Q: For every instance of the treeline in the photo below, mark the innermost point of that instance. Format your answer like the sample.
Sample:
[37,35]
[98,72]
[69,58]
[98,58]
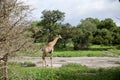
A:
[88,31]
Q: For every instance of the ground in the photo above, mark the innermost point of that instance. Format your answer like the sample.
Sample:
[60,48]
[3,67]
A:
[92,62]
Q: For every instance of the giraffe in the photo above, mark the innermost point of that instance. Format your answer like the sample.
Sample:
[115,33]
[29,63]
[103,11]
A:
[49,48]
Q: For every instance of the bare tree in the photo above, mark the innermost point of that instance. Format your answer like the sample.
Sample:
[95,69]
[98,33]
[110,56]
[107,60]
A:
[13,36]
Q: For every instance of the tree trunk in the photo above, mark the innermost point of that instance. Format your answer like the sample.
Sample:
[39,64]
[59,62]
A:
[4,67]
[5,72]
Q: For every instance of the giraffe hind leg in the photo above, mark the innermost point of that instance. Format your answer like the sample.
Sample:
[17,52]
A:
[44,61]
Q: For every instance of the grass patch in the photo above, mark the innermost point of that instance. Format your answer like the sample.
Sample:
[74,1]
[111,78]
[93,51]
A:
[117,62]
[94,50]
[115,51]
[28,64]
[62,60]
[78,53]
[70,53]
[101,46]
[70,71]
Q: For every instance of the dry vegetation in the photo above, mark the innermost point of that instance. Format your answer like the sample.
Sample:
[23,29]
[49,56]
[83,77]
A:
[13,35]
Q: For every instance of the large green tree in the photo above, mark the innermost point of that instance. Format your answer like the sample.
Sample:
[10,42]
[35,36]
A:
[107,33]
[50,20]
[83,33]
[108,23]
[89,24]
[103,36]
[81,38]
[116,36]
[66,33]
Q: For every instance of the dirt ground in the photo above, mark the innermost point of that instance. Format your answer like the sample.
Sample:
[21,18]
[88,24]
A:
[92,62]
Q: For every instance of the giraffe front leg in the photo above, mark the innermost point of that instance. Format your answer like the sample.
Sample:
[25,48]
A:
[51,60]
[44,62]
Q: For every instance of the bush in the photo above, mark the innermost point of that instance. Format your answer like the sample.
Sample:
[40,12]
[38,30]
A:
[69,71]
[28,64]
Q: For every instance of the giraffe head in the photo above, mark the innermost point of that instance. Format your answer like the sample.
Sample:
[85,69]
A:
[59,36]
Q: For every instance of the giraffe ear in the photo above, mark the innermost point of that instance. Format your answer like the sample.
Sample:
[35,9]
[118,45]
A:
[60,36]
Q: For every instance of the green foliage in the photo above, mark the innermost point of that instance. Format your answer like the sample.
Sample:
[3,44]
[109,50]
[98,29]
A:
[54,15]
[50,21]
[115,51]
[28,64]
[74,66]
[66,35]
[89,24]
[116,34]
[81,38]
[49,25]
[88,53]
[107,24]
[107,33]
[83,34]
[117,62]
[94,50]
[69,71]
[103,36]
[88,31]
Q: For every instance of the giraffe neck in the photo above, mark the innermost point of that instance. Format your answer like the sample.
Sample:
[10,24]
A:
[52,43]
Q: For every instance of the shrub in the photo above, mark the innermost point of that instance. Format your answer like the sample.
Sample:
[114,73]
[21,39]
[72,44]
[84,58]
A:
[28,64]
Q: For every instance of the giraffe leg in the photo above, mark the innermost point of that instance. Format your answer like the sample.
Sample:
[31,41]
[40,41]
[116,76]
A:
[51,60]
[44,62]
[51,57]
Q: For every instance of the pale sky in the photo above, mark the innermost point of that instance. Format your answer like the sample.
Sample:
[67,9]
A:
[75,10]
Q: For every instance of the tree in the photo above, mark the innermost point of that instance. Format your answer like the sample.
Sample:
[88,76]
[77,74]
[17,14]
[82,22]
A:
[89,24]
[116,34]
[83,33]
[103,36]
[50,20]
[81,38]
[107,33]
[36,31]
[13,35]
[107,24]
[66,33]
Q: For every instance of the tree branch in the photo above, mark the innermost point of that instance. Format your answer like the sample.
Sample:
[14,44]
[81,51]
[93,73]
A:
[4,58]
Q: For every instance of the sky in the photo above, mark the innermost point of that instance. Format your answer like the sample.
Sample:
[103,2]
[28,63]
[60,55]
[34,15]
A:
[75,10]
